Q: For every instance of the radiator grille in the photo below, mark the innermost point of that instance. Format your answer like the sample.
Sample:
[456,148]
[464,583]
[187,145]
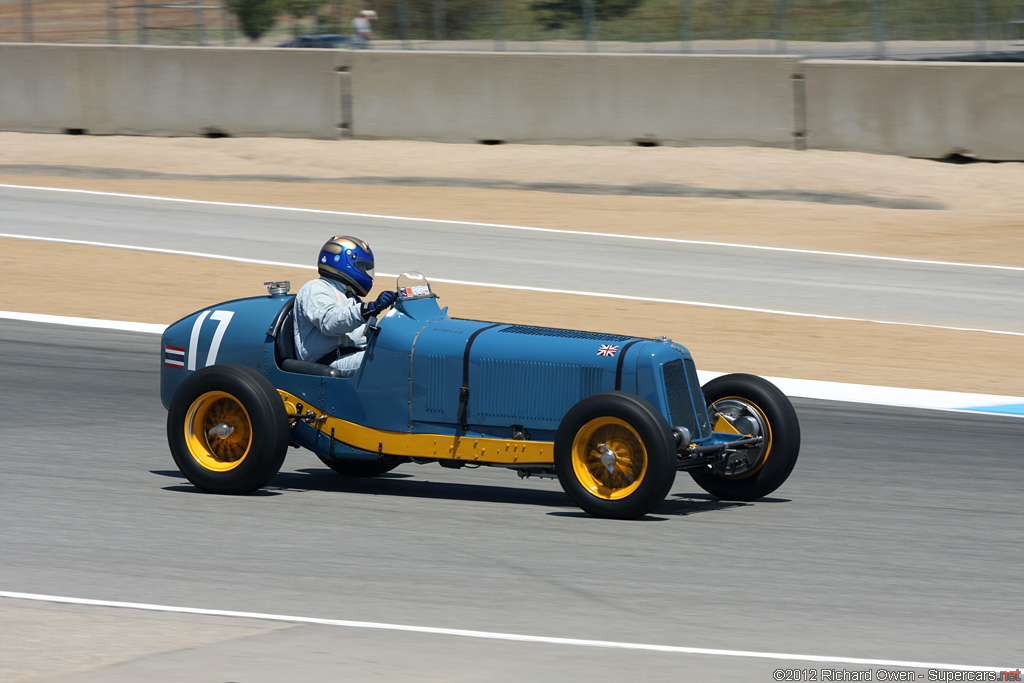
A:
[694,384]
[681,385]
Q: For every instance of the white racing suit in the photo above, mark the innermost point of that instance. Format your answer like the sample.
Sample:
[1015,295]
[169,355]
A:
[328,325]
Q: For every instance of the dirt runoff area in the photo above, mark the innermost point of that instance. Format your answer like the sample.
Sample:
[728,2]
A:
[832,201]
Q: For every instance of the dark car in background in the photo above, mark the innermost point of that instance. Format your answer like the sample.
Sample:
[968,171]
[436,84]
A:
[320,40]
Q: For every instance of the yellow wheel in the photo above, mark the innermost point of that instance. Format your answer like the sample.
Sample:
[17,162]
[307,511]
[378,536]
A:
[608,458]
[615,455]
[218,431]
[227,429]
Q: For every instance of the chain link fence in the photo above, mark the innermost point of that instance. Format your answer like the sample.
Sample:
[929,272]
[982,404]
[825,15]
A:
[111,21]
[874,29]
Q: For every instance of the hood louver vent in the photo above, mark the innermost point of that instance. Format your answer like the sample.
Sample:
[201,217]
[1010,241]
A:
[568,334]
[513,388]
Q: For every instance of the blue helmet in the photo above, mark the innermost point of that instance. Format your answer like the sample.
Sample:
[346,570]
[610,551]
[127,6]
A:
[347,260]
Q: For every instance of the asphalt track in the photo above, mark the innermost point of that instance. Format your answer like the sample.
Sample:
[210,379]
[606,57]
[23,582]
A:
[897,538]
[944,295]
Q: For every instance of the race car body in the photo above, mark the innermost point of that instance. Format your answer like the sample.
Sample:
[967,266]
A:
[613,417]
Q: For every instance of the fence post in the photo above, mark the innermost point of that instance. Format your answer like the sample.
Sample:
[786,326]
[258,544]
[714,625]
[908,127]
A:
[27,32]
[498,19]
[980,26]
[228,24]
[589,29]
[112,34]
[201,25]
[685,33]
[439,20]
[781,8]
[403,23]
[878,23]
[140,19]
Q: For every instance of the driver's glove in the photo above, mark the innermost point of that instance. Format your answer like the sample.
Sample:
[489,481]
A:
[369,309]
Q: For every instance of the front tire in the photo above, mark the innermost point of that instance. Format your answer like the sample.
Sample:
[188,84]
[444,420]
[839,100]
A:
[615,455]
[227,429]
[750,405]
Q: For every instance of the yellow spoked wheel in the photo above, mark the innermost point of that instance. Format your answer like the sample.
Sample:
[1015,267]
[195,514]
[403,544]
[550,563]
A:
[746,405]
[615,455]
[608,458]
[227,429]
[218,431]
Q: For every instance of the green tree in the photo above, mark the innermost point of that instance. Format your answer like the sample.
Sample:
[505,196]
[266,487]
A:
[432,19]
[256,17]
[300,9]
[331,17]
[557,13]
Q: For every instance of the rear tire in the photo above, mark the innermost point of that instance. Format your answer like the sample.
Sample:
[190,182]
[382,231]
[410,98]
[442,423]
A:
[755,406]
[227,429]
[615,455]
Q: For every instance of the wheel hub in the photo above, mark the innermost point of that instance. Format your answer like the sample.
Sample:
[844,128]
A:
[748,420]
[221,431]
[607,457]
[218,431]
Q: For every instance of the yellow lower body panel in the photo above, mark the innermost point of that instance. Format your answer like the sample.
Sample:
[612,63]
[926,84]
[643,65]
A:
[440,446]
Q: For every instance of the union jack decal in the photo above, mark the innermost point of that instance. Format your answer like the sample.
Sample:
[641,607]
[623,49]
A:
[174,356]
[607,350]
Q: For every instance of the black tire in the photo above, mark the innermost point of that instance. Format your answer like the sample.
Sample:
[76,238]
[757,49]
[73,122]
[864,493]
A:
[359,468]
[235,398]
[639,463]
[756,405]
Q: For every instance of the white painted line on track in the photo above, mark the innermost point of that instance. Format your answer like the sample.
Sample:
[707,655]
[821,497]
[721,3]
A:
[727,307]
[491,635]
[151,328]
[523,288]
[504,226]
[156,250]
[797,388]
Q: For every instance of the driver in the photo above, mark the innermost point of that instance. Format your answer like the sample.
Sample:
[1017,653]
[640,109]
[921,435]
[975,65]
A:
[330,316]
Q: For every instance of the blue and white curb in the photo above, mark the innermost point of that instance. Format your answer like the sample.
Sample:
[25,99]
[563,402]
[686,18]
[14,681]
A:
[893,396]
[795,388]
[1003,409]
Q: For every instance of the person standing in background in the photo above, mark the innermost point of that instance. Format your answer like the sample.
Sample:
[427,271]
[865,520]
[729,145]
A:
[362,29]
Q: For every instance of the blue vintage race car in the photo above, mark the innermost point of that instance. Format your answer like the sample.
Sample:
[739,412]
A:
[612,417]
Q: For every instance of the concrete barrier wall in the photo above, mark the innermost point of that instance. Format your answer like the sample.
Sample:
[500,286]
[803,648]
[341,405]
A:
[576,98]
[906,108]
[141,90]
[916,109]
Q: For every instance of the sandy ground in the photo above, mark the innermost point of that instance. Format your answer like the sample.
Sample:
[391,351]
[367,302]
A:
[983,222]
